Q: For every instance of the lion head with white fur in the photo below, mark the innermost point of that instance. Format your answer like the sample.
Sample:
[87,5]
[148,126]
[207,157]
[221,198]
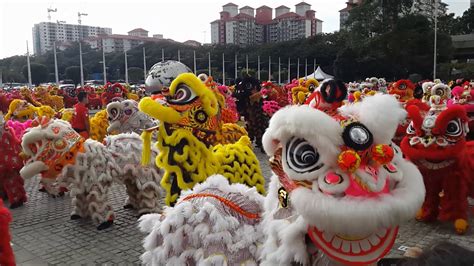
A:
[341,175]
[49,146]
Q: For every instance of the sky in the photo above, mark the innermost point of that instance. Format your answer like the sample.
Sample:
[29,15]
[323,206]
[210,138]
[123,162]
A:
[180,20]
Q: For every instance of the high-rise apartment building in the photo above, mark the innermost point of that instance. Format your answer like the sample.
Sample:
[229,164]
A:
[247,25]
[344,13]
[46,33]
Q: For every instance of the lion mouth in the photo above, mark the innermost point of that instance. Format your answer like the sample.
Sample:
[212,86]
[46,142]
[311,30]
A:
[354,249]
[433,165]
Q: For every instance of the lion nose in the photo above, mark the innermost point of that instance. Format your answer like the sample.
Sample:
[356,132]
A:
[427,140]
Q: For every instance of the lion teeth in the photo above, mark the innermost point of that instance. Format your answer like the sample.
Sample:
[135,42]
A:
[355,248]
[374,240]
[346,246]
[382,232]
[336,242]
[365,245]
[435,166]
[327,236]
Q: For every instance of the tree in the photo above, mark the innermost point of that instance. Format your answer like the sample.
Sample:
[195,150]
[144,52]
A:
[39,73]
[466,22]
[135,74]
[74,73]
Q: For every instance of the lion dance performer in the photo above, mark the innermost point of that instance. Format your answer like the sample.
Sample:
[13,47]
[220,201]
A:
[436,143]
[11,183]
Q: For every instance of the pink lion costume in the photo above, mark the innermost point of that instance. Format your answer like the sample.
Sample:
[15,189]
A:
[337,196]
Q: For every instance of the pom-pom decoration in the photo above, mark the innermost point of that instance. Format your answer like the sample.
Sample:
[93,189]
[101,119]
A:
[382,153]
[349,161]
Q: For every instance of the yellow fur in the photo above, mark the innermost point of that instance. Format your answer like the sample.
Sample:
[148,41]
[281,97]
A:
[27,111]
[133,96]
[48,98]
[146,153]
[184,157]
[98,126]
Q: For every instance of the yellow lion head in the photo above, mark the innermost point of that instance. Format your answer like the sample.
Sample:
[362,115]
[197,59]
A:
[189,104]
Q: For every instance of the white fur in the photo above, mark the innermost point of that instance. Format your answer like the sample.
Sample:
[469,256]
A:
[319,129]
[284,238]
[185,232]
[347,215]
[380,113]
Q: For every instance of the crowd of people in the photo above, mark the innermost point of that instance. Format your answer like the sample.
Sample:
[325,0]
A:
[351,162]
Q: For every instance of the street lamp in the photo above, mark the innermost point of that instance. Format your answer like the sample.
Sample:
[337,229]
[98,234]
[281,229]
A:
[56,75]
[126,67]
[79,14]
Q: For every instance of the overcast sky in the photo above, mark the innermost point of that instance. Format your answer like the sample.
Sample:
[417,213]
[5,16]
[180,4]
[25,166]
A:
[180,20]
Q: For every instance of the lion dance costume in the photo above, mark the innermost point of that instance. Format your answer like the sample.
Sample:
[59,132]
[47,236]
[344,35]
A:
[6,253]
[58,152]
[11,183]
[189,127]
[338,193]
[436,143]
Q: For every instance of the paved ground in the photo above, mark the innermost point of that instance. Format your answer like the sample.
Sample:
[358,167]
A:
[43,233]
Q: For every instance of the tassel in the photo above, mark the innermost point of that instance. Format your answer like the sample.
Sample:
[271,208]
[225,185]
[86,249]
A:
[146,152]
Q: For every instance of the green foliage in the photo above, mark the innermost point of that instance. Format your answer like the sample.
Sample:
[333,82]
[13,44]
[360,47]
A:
[74,73]
[39,73]
[135,74]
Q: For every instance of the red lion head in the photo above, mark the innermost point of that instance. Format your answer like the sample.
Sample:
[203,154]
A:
[436,137]
[403,90]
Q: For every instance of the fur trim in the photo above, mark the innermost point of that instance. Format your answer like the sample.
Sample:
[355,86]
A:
[319,129]
[284,237]
[202,230]
[347,215]
[380,113]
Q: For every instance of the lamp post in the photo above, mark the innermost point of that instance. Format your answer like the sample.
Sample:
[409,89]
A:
[258,67]
[194,61]
[103,63]
[269,68]
[29,65]
[144,65]
[126,66]
[289,69]
[279,71]
[56,74]
[79,15]
[235,67]
[209,57]
[305,68]
[298,69]
[223,69]
[247,63]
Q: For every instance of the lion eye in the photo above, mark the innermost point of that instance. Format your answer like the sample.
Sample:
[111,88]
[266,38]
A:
[183,95]
[301,156]
[454,128]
